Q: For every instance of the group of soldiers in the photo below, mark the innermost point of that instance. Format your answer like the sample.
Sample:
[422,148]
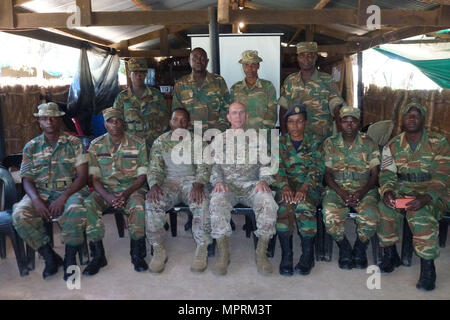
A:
[323,160]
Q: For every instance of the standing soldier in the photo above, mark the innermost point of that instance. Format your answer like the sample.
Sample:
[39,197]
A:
[171,182]
[143,108]
[414,164]
[54,175]
[257,95]
[118,168]
[243,183]
[299,182]
[313,88]
[352,164]
[204,95]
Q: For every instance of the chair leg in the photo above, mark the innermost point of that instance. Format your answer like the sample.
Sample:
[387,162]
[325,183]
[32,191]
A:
[375,248]
[212,248]
[271,248]
[443,232]
[188,224]
[319,244]
[31,258]
[173,222]
[49,229]
[407,245]
[233,226]
[248,226]
[120,222]
[19,251]
[83,252]
[2,246]
[328,245]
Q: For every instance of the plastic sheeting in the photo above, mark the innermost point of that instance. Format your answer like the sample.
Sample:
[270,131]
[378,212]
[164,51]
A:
[94,87]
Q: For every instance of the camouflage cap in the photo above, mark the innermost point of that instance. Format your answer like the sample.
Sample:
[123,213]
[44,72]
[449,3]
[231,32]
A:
[405,109]
[50,109]
[249,57]
[306,47]
[112,112]
[137,64]
[350,111]
[297,109]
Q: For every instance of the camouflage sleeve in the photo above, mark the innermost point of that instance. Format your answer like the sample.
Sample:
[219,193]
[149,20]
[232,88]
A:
[142,161]
[176,101]
[270,118]
[335,98]
[374,158]
[440,171]
[281,179]
[94,167]
[27,163]
[155,173]
[326,151]
[216,174]
[118,102]
[222,123]
[80,153]
[316,172]
[388,171]
[232,96]
[284,95]
[164,114]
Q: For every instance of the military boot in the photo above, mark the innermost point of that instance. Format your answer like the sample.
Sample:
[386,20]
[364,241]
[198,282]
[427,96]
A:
[287,261]
[201,259]
[159,258]
[345,254]
[263,264]
[136,255]
[306,262]
[52,260]
[70,259]
[98,261]
[359,254]
[223,256]
[427,280]
[391,260]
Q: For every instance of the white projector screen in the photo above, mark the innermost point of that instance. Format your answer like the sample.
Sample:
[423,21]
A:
[231,47]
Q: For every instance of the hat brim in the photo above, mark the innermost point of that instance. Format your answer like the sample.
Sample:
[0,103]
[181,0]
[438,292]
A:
[250,62]
[61,113]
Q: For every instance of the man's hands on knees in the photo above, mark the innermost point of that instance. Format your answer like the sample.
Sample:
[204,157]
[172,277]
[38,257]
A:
[41,207]
[262,186]
[197,194]
[155,194]
[220,187]
[56,208]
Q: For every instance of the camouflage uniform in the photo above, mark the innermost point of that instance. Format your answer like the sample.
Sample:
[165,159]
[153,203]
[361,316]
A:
[260,101]
[319,93]
[351,166]
[147,116]
[117,171]
[176,181]
[298,167]
[206,103]
[241,180]
[412,173]
[52,169]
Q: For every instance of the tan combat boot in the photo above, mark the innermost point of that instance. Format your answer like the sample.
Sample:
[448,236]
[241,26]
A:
[263,264]
[159,258]
[201,259]
[223,256]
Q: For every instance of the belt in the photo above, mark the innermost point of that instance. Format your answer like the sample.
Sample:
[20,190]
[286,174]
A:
[54,185]
[414,177]
[351,175]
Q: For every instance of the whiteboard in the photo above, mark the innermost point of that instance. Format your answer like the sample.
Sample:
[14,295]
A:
[231,47]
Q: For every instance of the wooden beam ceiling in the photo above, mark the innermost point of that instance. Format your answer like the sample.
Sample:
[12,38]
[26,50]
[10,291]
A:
[154,53]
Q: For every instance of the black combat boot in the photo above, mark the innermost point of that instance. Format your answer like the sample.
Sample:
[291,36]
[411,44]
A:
[287,261]
[70,259]
[427,280]
[98,261]
[345,254]
[136,255]
[52,260]
[359,254]
[391,260]
[306,261]
[143,248]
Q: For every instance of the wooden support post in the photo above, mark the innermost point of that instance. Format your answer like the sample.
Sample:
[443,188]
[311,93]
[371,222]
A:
[7,19]
[223,11]
[86,12]
[164,42]
[214,40]
[360,86]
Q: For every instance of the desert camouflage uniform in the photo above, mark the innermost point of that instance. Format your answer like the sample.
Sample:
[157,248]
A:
[117,171]
[241,180]
[52,170]
[412,173]
[176,181]
[296,168]
[351,167]
[207,102]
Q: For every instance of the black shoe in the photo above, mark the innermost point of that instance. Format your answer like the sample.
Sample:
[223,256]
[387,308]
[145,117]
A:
[359,254]
[287,263]
[136,255]
[391,259]
[427,280]
[345,254]
[70,259]
[52,260]
[306,262]
[98,261]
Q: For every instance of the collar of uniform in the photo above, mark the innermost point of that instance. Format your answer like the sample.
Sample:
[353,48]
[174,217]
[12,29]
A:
[208,78]
[147,92]
[358,140]
[422,142]
[123,143]
[258,84]
[314,76]
[61,139]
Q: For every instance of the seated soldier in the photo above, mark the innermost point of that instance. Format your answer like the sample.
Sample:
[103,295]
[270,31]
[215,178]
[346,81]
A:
[299,184]
[414,164]
[172,182]
[117,167]
[54,175]
[352,165]
[240,183]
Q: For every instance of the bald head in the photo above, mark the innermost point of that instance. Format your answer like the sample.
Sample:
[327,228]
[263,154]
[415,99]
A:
[237,115]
